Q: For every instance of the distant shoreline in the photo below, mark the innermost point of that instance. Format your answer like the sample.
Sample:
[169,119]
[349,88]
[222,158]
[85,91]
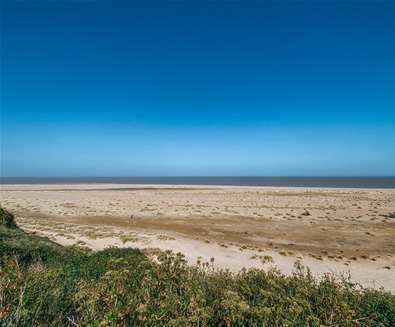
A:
[309,182]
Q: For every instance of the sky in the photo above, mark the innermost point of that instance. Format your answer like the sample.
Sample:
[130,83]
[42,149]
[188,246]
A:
[94,88]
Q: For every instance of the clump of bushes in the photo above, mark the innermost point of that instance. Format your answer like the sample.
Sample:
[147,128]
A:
[7,219]
[42,283]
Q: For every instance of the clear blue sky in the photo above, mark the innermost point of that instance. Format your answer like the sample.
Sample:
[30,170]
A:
[154,88]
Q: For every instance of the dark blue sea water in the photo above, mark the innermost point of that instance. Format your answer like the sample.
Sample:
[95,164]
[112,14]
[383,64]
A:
[337,182]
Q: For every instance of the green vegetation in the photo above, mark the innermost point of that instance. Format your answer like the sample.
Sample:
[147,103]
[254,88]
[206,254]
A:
[45,284]
[7,219]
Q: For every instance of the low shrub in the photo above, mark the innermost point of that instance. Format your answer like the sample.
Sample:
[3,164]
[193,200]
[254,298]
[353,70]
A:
[7,219]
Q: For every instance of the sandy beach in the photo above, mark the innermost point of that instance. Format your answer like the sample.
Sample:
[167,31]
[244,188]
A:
[328,230]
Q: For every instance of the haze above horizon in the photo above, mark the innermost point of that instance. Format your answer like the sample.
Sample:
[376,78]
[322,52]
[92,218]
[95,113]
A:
[196,89]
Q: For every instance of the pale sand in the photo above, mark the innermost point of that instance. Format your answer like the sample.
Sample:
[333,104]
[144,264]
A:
[345,230]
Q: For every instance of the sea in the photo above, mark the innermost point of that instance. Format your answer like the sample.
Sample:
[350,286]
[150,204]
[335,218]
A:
[332,182]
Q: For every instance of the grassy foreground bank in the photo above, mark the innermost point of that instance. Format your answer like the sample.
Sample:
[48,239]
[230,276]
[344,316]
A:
[45,284]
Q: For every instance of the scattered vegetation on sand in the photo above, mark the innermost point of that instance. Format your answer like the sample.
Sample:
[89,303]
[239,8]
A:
[165,238]
[128,238]
[45,284]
